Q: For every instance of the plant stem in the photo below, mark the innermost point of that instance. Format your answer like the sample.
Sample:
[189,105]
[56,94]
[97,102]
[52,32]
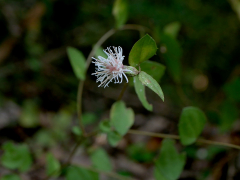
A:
[122,92]
[79,107]
[200,140]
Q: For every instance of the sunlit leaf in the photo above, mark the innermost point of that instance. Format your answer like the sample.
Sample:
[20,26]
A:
[140,90]
[16,156]
[100,160]
[191,124]
[170,163]
[142,50]
[74,173]
[172,29]
[53,166]
[121,118]
[154,69]
[148,81]
[172,53]
[120,12]
[77,61]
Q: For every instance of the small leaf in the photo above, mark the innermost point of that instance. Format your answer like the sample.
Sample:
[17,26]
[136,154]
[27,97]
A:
[148,81]
[172,29]
[113,138]
[74,173]
[121,118]
[76,130]
[191,124]
[105,126]
[228,115]
[77,61]
[16,156]
[154,69]
[170,163]
[158,175]
[53,166]
[172,53]
[120,12]
[11,177]
[142,50]
[140,90]
[232,89]
[101,160]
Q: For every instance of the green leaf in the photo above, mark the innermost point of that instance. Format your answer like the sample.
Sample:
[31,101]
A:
[113,138]
[170,163]
[76,130]
[191,124]
[29,115]
[99,52]
[142,50]
[77,61]
[148,81]
[10,177]
[100,160]
[121,118]
[228,115]
[53,166]
[158,175]
[120,12]
[172,29]
[154,69]
[75,173]
[16,156]
[88,118]
[232,89]
[105,126]
[172,53]
[140,90]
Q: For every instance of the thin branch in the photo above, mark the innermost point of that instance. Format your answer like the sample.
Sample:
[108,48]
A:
[200,140]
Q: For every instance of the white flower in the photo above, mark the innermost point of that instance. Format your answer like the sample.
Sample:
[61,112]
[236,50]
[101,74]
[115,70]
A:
[111,68]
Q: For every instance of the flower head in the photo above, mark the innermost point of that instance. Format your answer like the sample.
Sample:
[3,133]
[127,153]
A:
[111,68]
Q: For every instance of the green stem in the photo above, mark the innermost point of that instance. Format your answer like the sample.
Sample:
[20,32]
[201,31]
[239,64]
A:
[200,140]
[122,92]
[79,107]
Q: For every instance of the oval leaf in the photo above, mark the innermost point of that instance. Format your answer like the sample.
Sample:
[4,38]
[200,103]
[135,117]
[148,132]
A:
[74,173]
[154,69]
[191,124]
[172,29]
[10,177]
[77,61]
[53,166]
[140,90]
[121,118]
[172,53]
[120,12]
[148,81]
[170,163]
[142,50]
[100,160]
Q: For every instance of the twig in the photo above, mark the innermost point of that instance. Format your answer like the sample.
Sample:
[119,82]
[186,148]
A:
[200,140]
[79,107]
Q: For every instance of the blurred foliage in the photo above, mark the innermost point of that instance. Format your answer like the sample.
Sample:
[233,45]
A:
[197,45]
